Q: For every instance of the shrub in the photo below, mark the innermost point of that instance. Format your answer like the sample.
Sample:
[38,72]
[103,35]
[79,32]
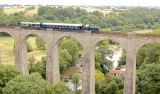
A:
[27,84]
[6,74]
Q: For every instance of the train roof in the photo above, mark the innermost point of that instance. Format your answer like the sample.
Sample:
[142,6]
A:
[30,23]
[63,24]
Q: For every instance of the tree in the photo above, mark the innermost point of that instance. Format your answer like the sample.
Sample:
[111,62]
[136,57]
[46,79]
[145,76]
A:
[27,84]
[102,51]
[37,66]
[72,46]
[148,67]
[65,60]
[16,18]
[61,89]
[148,79]
[99,76]
[7,72]
[148,54]
[40,43]
[109,86]
[122,60]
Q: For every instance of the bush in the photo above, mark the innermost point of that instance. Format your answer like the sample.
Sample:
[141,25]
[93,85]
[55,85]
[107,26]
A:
[148,79]
[27,84]
[61,89]
[40,43]
[6,74]
[37,66]
[109,86]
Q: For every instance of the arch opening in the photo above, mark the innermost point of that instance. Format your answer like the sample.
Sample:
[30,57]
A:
[71,62]
[36,54]
[147,69]
[7,49]
[110,66]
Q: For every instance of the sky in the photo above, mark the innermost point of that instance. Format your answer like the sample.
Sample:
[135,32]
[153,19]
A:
[85,2]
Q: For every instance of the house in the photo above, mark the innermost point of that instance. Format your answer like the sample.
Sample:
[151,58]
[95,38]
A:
[121,72]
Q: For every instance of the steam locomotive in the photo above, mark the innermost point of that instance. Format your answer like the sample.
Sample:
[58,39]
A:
[58,26]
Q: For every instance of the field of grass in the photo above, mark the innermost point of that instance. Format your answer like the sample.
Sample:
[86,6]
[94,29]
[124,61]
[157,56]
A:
[7,52]
[9,11]
[144,31]
[104,11]
[31,12]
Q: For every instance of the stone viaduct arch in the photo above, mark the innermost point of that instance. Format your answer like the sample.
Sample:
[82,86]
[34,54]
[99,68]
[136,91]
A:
[131,42]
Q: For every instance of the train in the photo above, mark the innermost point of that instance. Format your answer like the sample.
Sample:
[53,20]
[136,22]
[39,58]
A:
[59,26]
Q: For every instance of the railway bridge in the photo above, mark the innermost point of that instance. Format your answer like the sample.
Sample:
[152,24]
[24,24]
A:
[131,42]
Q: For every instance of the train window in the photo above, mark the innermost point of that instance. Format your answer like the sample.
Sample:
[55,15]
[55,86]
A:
[36,25]
[66,27]
[50,26]
[54,26]
[62,27]
[59,27]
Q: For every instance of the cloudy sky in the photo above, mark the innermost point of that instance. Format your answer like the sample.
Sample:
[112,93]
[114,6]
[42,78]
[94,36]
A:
[86,2]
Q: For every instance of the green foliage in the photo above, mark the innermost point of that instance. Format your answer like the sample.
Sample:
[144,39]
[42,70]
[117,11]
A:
[148,79]
[40,43]
[148,54]
[37,66]
[61,89]
[16,18]
[72,46]
[75,81]
[102,51]
[148,67]
[127,20]
[109,86]
[122,60]
[7,72]
[69,52]
[65,59]
[99,76]
[27,84]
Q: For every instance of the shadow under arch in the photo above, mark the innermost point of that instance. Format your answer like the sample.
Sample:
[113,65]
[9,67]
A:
[9,33]
[7,42]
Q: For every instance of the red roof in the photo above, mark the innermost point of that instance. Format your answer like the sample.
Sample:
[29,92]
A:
[117,72]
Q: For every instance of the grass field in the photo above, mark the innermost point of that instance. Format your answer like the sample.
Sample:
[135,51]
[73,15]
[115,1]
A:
[104,11]
[144,31]
[31,12]
[9,11]
[7,52]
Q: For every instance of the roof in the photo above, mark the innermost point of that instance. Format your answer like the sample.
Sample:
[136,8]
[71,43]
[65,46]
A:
[116,72]
[30,23]
[63,24]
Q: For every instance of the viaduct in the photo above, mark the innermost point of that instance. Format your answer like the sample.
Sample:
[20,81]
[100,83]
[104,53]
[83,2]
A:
[131,42]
